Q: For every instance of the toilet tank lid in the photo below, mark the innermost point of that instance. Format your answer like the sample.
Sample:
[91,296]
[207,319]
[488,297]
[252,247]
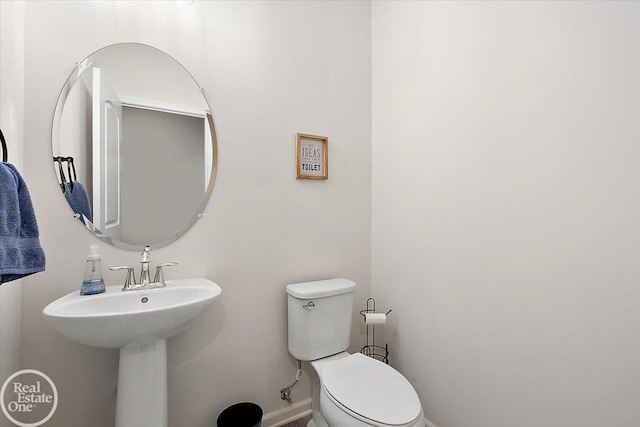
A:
[321,288]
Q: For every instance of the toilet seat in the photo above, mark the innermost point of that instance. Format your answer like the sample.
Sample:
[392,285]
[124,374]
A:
[370,391]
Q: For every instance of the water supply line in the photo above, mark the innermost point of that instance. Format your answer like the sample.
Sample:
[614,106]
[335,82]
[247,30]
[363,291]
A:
[285,393]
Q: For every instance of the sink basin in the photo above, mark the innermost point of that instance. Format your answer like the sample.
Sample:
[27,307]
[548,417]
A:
[115,319]
[138,323]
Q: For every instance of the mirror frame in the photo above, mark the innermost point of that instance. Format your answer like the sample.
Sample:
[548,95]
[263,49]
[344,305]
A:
[55,141]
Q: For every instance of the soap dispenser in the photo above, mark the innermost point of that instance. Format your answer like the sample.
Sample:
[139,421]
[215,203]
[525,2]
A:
[93,282]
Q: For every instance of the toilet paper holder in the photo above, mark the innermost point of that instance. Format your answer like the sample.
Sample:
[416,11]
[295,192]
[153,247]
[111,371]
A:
[371,318]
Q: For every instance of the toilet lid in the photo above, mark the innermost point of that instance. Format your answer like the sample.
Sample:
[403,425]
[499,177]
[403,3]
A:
[371,389]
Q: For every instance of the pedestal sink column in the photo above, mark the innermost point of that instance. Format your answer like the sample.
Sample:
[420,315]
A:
[142,386]
[138,323]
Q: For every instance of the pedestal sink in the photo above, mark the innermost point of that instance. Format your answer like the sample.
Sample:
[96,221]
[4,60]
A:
[138,323]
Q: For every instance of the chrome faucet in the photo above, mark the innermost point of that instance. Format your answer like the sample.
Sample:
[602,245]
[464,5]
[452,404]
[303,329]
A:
[145,282]
[144,267]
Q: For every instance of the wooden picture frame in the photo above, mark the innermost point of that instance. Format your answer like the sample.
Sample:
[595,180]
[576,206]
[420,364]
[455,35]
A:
[312,156]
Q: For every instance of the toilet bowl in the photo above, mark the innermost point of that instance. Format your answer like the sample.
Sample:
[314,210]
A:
[358,391]
[351,390]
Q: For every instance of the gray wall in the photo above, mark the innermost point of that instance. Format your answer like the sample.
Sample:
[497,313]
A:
[75,133]
[162,173]
[506,205]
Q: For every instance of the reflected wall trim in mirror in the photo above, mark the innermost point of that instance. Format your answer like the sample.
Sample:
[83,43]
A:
[141,134]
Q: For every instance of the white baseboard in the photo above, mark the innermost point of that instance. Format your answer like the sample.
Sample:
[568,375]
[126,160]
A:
[296,411]
[287,415]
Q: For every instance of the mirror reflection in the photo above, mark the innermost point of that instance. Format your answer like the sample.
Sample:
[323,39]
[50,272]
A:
[134,147]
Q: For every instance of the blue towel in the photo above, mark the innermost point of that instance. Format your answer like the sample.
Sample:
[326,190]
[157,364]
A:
[20,250]
[78,200]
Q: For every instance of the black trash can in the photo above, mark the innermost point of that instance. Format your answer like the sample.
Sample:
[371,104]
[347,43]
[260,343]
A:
[245,414]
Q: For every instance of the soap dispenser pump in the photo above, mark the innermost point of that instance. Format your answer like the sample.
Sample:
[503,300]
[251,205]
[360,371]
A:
[93,282]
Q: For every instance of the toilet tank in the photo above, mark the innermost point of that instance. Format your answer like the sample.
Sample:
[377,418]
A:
[319,317]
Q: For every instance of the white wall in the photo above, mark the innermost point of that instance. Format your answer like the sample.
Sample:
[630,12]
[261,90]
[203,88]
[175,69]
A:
[506,205]
[504,218]
[11,123]
[269,69]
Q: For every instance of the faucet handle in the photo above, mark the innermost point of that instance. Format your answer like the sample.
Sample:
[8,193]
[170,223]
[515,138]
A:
[159,278]
[129,280]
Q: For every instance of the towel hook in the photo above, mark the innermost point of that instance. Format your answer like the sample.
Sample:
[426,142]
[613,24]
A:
[68,159]
[71,172]
[73,166]
[63,180]
[4,147]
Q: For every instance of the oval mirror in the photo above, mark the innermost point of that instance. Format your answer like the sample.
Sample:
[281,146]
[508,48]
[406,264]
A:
[134,146]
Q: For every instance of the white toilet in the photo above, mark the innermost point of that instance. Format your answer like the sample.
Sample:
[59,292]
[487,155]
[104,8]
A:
[352,390]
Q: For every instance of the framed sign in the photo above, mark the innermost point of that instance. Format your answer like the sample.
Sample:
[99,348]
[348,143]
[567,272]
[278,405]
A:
[312,156]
